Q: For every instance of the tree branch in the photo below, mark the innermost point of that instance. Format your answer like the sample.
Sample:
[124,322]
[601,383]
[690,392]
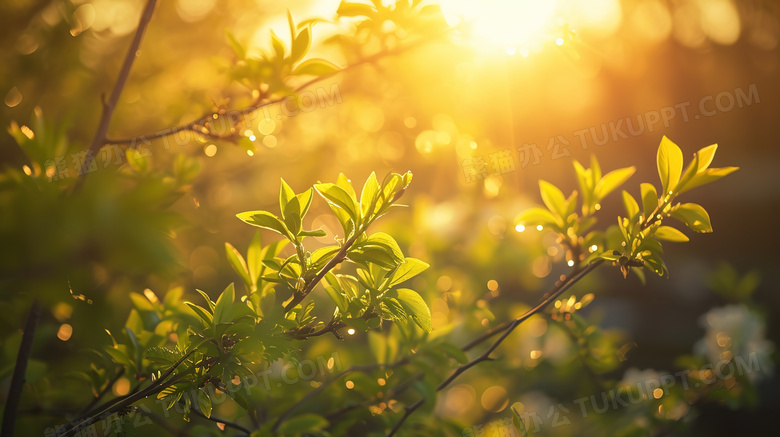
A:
[336,260]
[20,369]
[192,126]
[507,329]
[110,105]
[227,423]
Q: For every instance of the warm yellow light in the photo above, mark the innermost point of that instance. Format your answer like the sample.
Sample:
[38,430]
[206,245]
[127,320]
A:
[351,331]
[520,228]
[502,22]
[65,332]
[350,385]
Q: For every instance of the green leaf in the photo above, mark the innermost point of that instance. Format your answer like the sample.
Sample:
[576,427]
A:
[368,194]
[410,268]
[706,154]
[238,49]
[207,299]
[414,306]
[254,257]
[292,216]
[670,162]
[350,9]
[372,254]
[649,199]
[263,219]
[238,264]
[303,423]
[304,200]
[322,255]
[553,198]
[337,197]
[278,45]
[201,312]
[612,181]
[204,402]
[285,194]
[315,67]
[386,242]
[669,233]
[312,233]
[610,256]
[224,304]
[535,216]
[333,288]
[161,355]
[632,209]
[518,423]
[301,45]
[707,176]
[694,216]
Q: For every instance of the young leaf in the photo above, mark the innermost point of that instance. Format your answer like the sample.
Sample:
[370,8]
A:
[337,197]
[315,67]
[224,304]
[670,162]
[238,49]
[632,208]
[535,216]
[321,256]
[204,402]
[304,200]
[649,199]
[285,194]
[612,181]
[278,45]
[707,176]
[669,233]
[553,198]
[292,216]
[312,233]
[263,219]
[238,264]
[706,154]
[410,268]
[254,257]
[201,312]
[301,45]
[351,9]
[694,216]
[387,243]
[368,194]
[414,306]
[333,287]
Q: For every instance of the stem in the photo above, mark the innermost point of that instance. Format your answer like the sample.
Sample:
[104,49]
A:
[17,381]
[252,108]
[110,105]
[97,398]
[227,423]
[507,329]
[336,260]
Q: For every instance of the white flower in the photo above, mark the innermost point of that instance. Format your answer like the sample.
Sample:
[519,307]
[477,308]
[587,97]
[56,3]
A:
[735,332]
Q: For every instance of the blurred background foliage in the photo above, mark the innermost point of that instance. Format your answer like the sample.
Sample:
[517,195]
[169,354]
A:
[526,75]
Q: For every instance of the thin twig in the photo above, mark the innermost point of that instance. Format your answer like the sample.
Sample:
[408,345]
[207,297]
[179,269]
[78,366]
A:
[255,107]
[227,423]
[109,105]
[336,260]
[96,399]
[20,369]
[485,356]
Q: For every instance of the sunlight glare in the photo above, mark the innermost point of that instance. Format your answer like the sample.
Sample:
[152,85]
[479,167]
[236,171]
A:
[504,23]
